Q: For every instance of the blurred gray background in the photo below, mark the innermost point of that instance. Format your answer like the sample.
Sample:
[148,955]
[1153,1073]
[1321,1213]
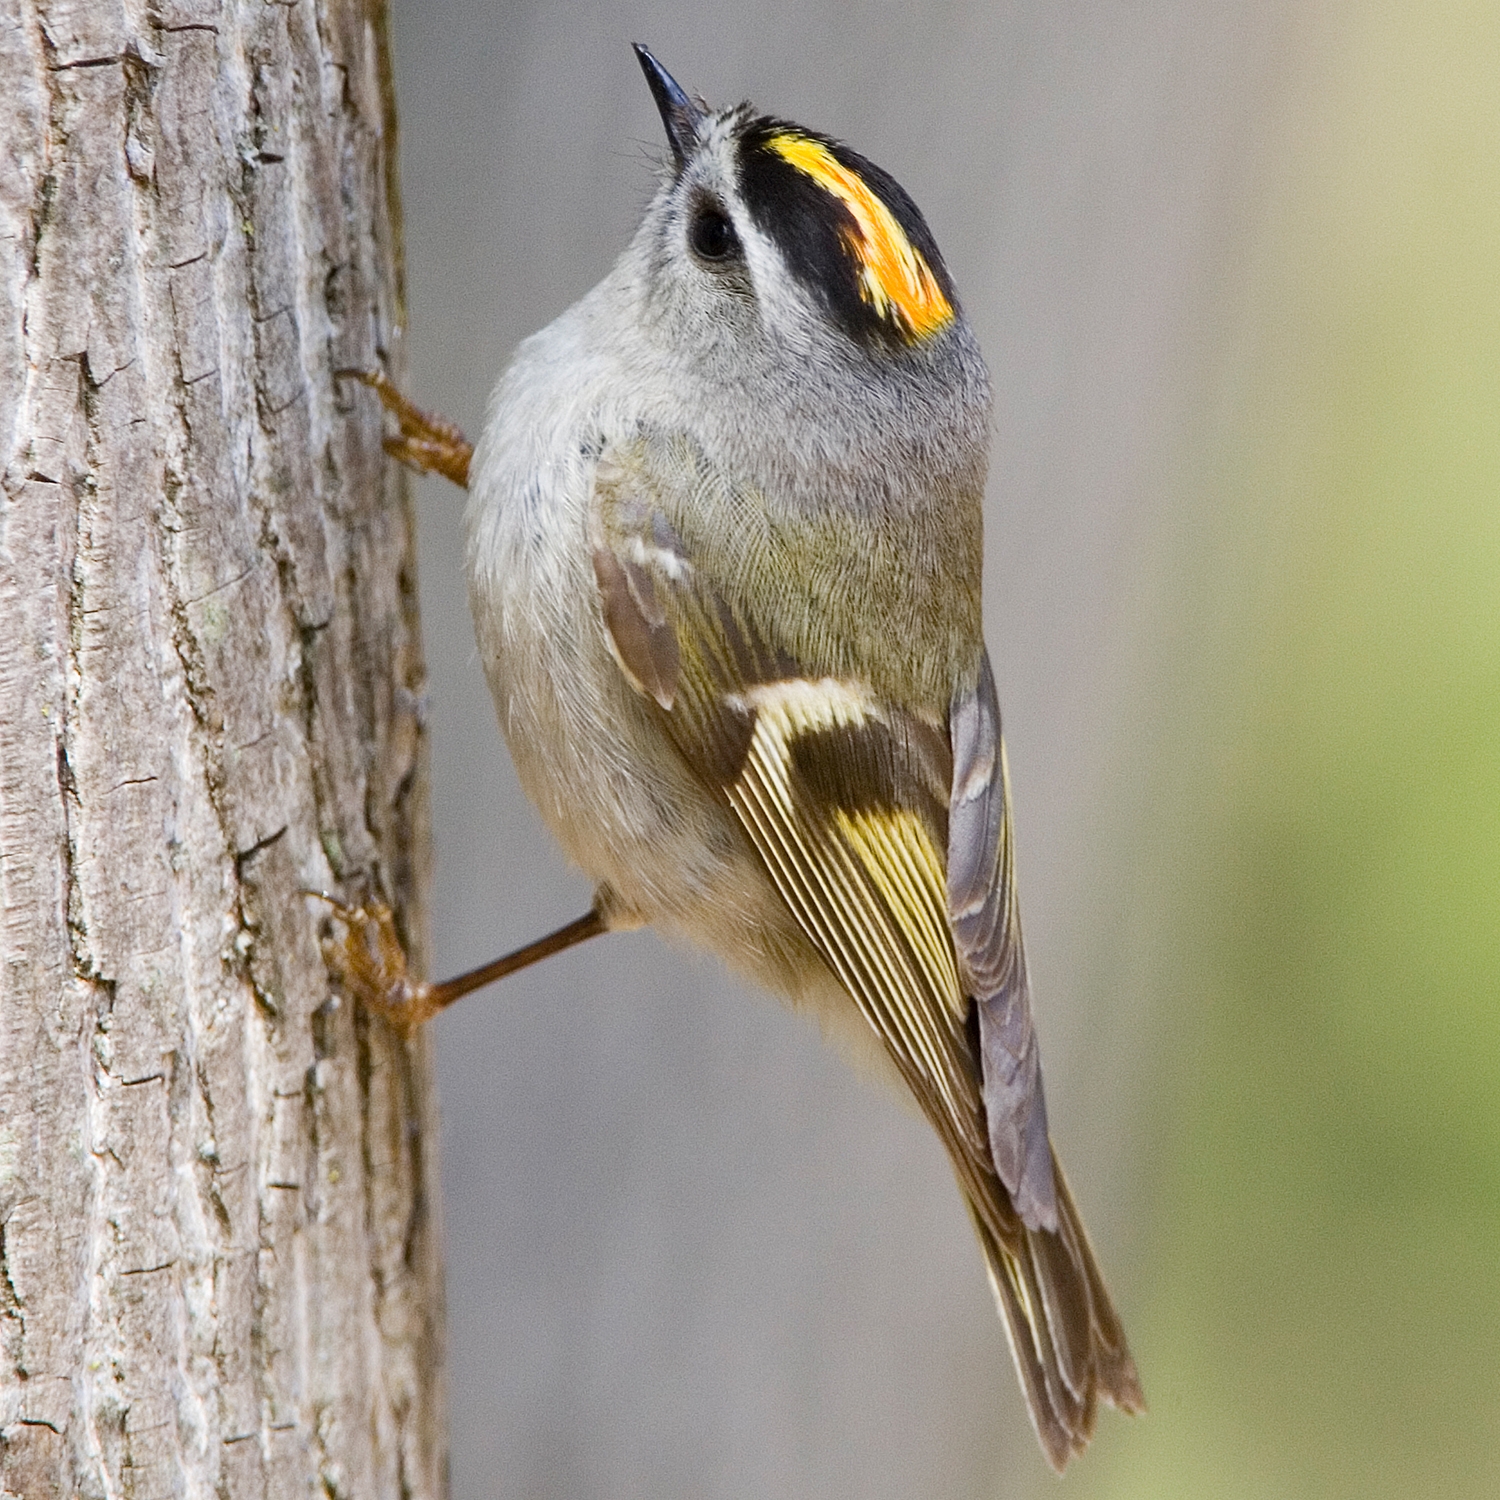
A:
[688,1253]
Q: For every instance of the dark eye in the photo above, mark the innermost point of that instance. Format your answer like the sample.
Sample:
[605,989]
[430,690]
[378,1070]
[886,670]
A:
[712,236]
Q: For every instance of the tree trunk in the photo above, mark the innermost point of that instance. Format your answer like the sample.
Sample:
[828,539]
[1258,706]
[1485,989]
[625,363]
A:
[218,1186]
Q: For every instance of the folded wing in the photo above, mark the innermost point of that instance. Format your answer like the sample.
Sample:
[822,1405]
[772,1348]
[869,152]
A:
[885,828]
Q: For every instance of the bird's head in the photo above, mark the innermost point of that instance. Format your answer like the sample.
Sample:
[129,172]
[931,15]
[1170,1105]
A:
[764,220]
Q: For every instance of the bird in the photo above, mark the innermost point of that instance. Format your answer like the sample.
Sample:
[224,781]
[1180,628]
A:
[723,547]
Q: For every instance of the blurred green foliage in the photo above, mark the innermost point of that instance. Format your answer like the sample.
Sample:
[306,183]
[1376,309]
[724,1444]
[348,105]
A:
[1318,1307]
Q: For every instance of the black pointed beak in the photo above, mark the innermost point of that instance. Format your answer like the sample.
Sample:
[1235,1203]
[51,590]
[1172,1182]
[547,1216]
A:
[682,118]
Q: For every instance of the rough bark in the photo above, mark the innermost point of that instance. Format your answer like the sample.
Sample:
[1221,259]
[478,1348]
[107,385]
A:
[219,1269]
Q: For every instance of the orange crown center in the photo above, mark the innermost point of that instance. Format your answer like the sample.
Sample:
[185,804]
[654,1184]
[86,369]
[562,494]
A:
[894,277]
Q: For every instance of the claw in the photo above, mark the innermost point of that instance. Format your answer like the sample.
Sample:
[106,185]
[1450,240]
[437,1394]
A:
[365,957]
[427,443]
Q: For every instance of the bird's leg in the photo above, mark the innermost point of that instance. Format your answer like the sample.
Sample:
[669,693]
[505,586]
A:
[364,952]
[365,956]
[427,443]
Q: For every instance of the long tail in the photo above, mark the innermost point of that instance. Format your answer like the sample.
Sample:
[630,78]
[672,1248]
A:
[1065,1335]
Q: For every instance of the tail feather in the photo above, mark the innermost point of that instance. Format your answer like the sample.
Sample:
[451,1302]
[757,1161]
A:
[1119,1381]
[1064,1296]
[1065,1336]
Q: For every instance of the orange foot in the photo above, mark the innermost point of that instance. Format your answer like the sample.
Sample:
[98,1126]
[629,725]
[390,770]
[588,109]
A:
[365,957]
[427,443]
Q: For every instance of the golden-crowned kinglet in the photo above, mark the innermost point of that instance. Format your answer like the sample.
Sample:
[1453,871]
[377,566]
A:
[724,563]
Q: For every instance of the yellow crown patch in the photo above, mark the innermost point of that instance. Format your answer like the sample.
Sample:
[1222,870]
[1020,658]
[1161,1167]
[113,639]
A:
[894,277]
